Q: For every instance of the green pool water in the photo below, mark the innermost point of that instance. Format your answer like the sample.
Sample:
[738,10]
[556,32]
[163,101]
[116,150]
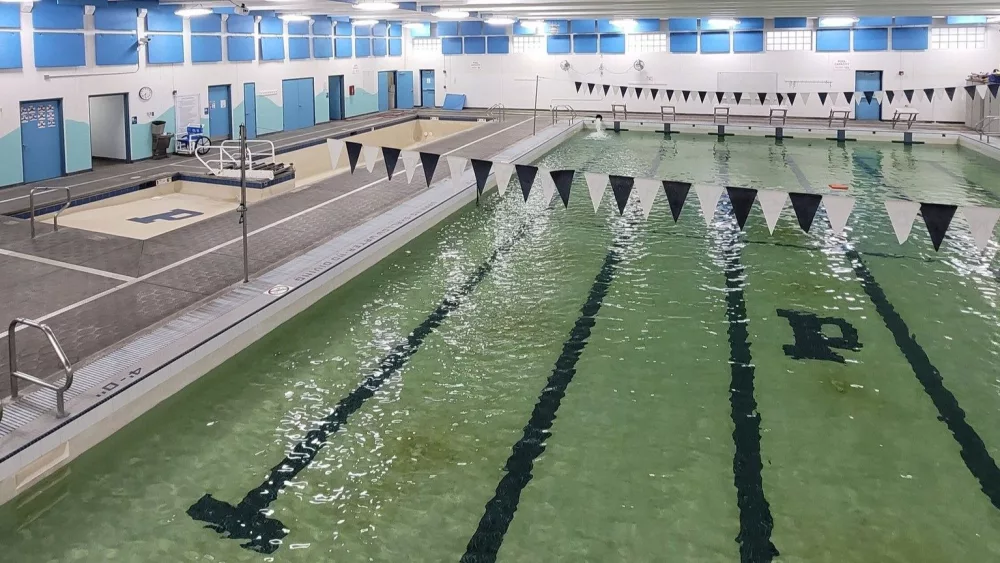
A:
[574,386]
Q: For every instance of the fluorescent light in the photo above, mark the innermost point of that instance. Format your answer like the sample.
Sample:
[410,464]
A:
[625,24]
[192,12]
[364,22]
[500,20]
[724,23]
[376,6]
[993,19]
[452,14]
[533,24]
[294,17]
[837,22]
[415,25]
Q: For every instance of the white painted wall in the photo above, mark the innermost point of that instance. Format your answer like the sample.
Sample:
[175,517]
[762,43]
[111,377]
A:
[107,127]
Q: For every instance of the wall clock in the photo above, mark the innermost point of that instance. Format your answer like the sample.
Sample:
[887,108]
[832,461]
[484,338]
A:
[145,93]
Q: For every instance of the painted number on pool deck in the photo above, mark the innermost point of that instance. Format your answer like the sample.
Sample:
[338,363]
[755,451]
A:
[810,341]
[172,215]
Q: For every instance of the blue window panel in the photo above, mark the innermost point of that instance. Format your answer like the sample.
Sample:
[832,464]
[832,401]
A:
[10,49]
[165,49]
[344,29]
[875,39]
[322,47]
[582,26]
[10,16]
[447,29]
[498,45]
[750,24]
[395,30]
[116,49]
[913,20]
[342,48]
[950,20]
[494,29]
[380,47]
[451,46]
[604,26]
[557,44]
[206,48]
[682,24]
[297,28]
[475,46]
[909,39]
[163,20]
[683,42]
[395,47]
[790,23]
[748,41]
[612,43]
[321,26]
[380,30]
[298,48]
[713,25]
[833,40]
[874,22]
[470,28]
[211,23]
[270,25]
[49,15]
[59,49]
[647,25]
[585,43]
[239,24]
[362,31]
[518,29]
[423,31]
[272,48]
[362,47]
[557,27]
[240,48]
[116,19]
[715,42]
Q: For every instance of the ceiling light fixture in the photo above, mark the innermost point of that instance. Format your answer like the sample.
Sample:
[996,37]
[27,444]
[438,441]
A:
[993,19]
[376,6]
[837,22]
[294,17]
[192,12]
[364,22]
[452,14]
[415,25]
[723,23]
[533,24]
[500,20]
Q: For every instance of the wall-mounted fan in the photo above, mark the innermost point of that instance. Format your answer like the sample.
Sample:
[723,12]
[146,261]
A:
[565,66]
[638,65]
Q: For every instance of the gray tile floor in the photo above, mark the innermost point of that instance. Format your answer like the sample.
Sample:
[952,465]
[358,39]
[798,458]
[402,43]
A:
[94,312]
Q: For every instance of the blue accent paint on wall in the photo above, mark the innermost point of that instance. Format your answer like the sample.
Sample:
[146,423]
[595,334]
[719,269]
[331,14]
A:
[10,158]
[322,26]
[49,15]
[269,118]
[499,45]
[210,23]
[322,105]
[748,41]
[59,50]
[116,49]
[298,48]
[10,16]
[322,47]
[833,40]
[475,46]
[240,48]
[239,24]
[451,46]
[684,42]
[165,49]
[116,19]
[362,47]
[206,48]
[874,39]
[715,42]
[298,28]
[77,146]
[791,23]
[272,49]
[361,102]
[682,24]
[612,43]
[270,25]
[557,44]
[585,42]
[10,49]
[909,38]
[396,47]
[380,47]
[163,20]
[342,48]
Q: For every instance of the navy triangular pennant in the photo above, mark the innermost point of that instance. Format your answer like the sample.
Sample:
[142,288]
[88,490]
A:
[526,175]
[781,98]
[623,89]
[929,92]
[805,206]
[638,92]
[791,98]
[481,168]
[971,91]
[738,96]
[429,162]
[822,97]
[578,85]
[889,95]
[993,89]
[719,96]
[621,186]
[701,95]
[563,179]
[353,153]
[761,96]
[590,87]
[606,88]
[670,95]
[391,157]
[742,200]
[848,96]
[937,217]
[654,92]
[908,94]
[868,96]
[676,192]
[951,93]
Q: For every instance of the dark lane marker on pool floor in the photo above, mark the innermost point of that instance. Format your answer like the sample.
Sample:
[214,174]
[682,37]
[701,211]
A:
[249,520]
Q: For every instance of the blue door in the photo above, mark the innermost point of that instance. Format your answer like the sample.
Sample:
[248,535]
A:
[250,109]
[404,89]
[219,112]
[297,103]
[42,140]
[336,97]
[383,90]
[868,81]
[427,88]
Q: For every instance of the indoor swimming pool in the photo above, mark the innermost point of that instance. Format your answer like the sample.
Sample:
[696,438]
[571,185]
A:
[527,383]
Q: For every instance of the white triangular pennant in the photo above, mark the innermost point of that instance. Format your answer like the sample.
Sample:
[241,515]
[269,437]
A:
[838,210]
[410,161]
[805,97]
[981,90]
[981,221]
[901,215]
[502,172]
[858,97]
[370,154]
[771,203]
[833,98]
[879,96]
[457,164]
[647,189]
[596,184]
[548,186]
[708,197]
[336,148]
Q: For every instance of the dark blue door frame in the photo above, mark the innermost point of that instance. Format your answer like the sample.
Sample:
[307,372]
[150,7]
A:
[43,151]
[336,93]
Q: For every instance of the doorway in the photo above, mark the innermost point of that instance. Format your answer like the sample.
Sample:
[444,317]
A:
[336,90]
[386,90]
[109,129]
[220,126]
[404,89]
[298,103]
[42,152]
[427,88]
[250,109]
[868,81]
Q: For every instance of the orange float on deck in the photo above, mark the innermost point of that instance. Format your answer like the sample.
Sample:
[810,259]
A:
[839,186]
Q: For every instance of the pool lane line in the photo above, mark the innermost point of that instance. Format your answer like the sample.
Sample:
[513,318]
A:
[756,520]
[249,520]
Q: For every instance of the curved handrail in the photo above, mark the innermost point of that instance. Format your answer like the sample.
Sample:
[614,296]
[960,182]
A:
[615,108]
[563,107]
[497,108]
[60,353]
[55,218]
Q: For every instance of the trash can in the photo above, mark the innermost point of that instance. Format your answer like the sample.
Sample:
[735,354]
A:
[157,127]
[161,143]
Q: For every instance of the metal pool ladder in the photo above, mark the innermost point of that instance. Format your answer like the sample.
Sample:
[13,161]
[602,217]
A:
[565,108]
[497,112]
[984,124]
[15,374]
[55,218]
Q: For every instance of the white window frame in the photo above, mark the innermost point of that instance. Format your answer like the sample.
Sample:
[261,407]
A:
[527,44]
[425,45]
[789,40]
[647,43]
[957,38]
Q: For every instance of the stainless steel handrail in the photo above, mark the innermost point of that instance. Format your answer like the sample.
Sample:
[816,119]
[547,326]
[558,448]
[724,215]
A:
[497,108]
[55,218]
[615,109]
[563,107]
[15,374]
[983,124]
